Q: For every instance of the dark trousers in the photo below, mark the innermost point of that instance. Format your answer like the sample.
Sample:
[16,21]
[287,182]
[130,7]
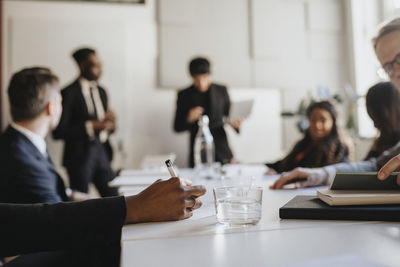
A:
[95,168]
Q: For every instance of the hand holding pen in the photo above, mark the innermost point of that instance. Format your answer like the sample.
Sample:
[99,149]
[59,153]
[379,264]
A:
[173,173]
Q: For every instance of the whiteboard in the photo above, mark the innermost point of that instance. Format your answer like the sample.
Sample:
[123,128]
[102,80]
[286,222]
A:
[260,138]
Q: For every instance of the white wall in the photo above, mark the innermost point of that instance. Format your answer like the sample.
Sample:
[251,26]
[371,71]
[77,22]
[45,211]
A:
[363,18]
[260,138]
[125,36]
[293,45]
[218,29]
[45,33]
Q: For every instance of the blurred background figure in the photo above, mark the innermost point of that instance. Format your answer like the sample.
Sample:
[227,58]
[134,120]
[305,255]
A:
[322,144]
[27,174]
[85,126]
[204,97]
[383,107]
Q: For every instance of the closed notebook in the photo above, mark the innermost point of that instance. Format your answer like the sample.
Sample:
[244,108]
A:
[350,197]
[361,189]
[312,208]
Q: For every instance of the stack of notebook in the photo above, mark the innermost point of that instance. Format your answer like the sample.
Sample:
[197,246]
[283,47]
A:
[352,196]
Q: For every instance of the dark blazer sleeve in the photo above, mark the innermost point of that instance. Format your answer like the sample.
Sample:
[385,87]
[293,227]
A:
[104,97]
[69,225]
[182,109]
[282,165]
[68,127]
[276,166]
[227,106]
[32,187]
[227,102]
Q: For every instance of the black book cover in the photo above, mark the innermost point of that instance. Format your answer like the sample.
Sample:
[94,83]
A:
[311,207]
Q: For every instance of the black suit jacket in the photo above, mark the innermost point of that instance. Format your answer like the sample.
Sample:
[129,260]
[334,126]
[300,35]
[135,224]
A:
[219,104]
[63,226]
[72,124]
[26,176]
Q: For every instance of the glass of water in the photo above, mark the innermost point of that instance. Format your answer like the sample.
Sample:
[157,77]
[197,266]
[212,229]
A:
[238,205]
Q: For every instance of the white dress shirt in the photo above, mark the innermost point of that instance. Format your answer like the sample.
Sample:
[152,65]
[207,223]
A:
[98,108]
[36,139]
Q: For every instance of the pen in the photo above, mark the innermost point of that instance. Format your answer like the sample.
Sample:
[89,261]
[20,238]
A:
[171,169]
[173,173]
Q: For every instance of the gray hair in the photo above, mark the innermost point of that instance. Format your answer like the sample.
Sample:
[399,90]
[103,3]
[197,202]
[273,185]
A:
[391,26]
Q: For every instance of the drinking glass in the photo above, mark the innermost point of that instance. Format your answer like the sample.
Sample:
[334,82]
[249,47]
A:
[238,205]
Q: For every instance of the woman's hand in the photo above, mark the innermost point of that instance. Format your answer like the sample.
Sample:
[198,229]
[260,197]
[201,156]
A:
[303,177]
[390,167]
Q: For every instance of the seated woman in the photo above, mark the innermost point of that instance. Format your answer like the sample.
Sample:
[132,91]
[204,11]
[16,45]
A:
[321,144]
[383,107]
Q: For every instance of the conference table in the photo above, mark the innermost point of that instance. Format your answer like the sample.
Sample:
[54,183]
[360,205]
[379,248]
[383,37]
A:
[202,241]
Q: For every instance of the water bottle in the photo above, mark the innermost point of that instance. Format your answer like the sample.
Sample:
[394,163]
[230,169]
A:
[204,149]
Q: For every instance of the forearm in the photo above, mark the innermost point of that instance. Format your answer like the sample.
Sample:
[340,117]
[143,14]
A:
[362,166]
[181,114]
[43,227]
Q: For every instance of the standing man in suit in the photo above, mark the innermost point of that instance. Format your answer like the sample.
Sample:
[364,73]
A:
[205,98]
[27,174]
[85,126]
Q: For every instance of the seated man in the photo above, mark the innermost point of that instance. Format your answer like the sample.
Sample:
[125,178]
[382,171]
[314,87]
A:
[387,50]
[88,233]
[27,174]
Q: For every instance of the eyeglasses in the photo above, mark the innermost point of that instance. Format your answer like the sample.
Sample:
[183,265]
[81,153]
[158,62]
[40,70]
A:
[388,67]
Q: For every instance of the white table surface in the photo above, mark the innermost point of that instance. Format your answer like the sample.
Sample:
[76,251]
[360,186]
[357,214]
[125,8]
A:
[202,241]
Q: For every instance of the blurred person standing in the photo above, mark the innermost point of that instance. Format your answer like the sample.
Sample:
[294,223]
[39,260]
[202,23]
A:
[204,97]
[85,126]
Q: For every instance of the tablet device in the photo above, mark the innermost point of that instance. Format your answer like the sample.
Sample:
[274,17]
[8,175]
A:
[241,109]
[364,181]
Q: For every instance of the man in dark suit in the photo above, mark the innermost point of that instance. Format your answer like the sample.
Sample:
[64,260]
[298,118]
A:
[65,234]
[205,98]
[88,233]
[27,174]
[85,126]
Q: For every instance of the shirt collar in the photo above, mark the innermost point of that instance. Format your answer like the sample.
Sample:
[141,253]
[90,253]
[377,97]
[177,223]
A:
[36,139]
[85,83]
